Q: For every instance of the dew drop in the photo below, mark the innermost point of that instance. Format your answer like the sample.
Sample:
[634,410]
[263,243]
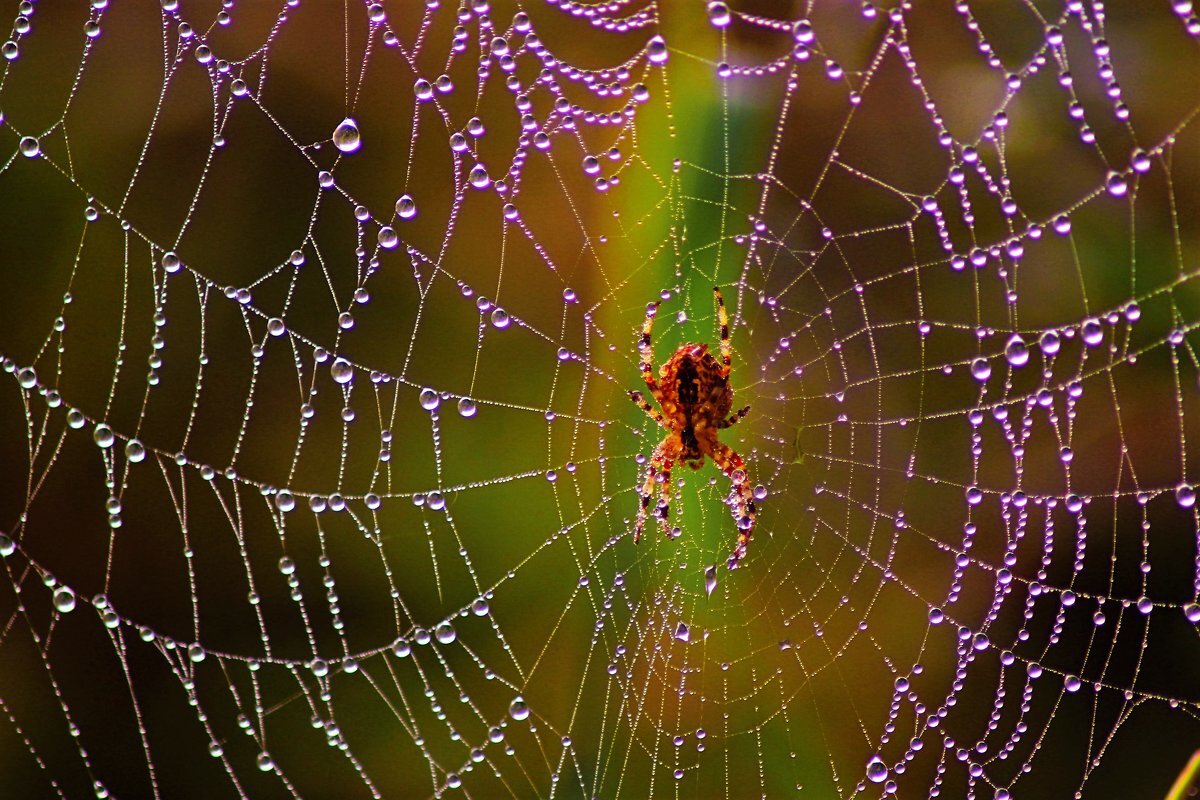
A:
[341,371]
[500,318]
[29,147]
[284,501]
[406,208]
[135,451]
[710,580]
[8,546]
[656,50]
[718,14]
[1116,184]
[27,378]
[445,633]
[64,600]
[429,399]
[480,607]
[103,436]
[1049,342]
[682,633]
[981,370]
[518,709]
[877,771]
[1093,334]
[346,136]
[1191,610]
[196,652]
[1016,352]
[466,407]
[479,177]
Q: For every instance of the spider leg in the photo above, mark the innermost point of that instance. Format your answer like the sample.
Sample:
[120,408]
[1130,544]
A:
[741,495]
[733,418]
[647,352]
[726,347]
[640,399]
[648,490]
[664,503]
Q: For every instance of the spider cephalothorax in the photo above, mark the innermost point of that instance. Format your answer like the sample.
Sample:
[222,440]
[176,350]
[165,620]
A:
[693,391]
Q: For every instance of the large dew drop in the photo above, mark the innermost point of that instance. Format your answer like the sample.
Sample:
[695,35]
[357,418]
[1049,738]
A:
[341,371]
[444,633]
[429,399]
[64,600]
[1049,342]
[346,136]
[103,436]
[981,369]
[518,709]
[656,50]
[877,771]
[479,177]
[406,207]
[285,501]
[718,14]
[1016,352]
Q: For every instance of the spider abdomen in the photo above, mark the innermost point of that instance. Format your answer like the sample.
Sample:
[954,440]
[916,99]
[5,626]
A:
[692,380]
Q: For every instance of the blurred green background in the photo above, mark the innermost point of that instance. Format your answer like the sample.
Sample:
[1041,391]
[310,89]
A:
[788,666]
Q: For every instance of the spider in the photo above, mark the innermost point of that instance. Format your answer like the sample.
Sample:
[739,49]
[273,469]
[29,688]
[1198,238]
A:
[695,396]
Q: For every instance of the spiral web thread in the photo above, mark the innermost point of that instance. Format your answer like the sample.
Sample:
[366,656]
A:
[363,527]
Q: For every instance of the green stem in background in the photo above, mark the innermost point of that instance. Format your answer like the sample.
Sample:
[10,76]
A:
[1186,781]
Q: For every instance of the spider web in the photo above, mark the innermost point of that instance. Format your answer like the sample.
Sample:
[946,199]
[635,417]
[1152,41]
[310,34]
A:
[320,469]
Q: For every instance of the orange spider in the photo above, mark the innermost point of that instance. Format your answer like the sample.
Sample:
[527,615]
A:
[695,396]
